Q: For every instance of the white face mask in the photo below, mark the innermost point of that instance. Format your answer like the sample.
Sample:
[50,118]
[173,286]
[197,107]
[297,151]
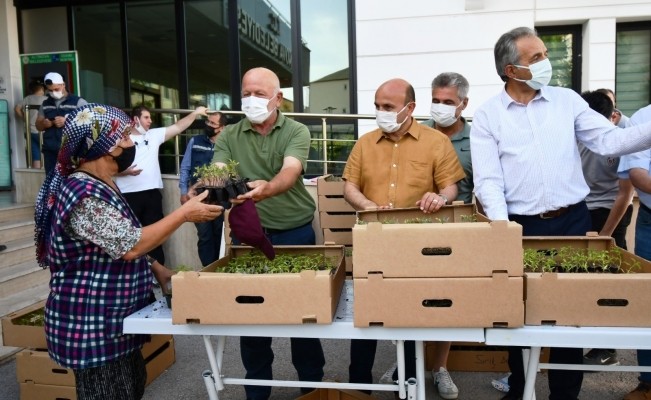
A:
[140,128]
[444,115]
[388,120]
[541,74]
[56,94]
[255,109]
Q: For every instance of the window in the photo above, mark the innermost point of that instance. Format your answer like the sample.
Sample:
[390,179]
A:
[564,47]
[633,66]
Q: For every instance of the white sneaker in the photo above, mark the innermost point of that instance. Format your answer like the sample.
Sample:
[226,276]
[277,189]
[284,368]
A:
[443,382]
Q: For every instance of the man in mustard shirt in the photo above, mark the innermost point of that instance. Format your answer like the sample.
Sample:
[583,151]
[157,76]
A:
[400,164]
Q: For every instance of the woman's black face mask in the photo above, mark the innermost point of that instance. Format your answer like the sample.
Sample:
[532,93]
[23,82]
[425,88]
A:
[125,159]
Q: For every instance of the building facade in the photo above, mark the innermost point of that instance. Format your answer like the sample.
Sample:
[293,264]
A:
[331,56]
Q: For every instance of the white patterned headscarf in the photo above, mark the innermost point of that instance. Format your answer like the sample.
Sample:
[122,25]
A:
[90,132]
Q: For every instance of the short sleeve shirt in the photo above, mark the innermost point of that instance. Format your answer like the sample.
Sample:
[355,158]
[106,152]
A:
[261,157]
[397,174]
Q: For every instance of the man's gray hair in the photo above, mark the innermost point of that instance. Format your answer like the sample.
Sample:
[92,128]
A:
[452,79]
[506,51]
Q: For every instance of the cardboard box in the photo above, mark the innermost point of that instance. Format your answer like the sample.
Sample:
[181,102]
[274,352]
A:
[495,301]
[342,236]
[36,366]
[329,185]
[337,219]
[335,394]
[334,203]
[476,357]
[588,299]
[159,361]
[18,335]
[212,297]
[36,391]
[435,250]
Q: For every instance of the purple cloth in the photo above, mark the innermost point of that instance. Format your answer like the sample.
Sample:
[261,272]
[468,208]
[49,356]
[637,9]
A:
[246,227]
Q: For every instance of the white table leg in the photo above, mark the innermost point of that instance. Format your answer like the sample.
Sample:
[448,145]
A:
[420,369]
[530,371]
[400,355]
[214,366]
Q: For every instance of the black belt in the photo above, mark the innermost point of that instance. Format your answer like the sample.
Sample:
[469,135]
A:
[554,213]
[551,214]
[269,231]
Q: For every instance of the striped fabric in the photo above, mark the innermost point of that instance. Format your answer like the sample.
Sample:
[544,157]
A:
[91,293]
[525,157]
[120,379]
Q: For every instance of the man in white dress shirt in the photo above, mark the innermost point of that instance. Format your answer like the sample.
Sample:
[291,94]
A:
[527,167]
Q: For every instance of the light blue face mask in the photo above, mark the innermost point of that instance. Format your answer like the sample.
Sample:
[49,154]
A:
[541,74]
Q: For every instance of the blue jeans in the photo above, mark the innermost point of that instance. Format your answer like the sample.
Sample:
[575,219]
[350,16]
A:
[643,249]
[210,239]
[307,353]
[36,146]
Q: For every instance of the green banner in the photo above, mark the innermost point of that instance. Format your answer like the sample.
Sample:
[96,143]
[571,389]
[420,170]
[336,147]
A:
[36,65]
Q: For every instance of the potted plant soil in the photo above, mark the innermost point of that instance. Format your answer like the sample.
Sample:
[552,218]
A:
[213,179]
[235,185]
[223,183]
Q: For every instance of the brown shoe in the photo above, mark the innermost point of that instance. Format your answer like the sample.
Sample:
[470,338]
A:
[641,392]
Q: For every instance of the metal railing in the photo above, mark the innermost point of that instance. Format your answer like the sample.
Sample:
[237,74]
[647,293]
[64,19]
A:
[324,129]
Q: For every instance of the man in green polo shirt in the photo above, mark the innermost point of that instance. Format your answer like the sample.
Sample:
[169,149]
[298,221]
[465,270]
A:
[272,152]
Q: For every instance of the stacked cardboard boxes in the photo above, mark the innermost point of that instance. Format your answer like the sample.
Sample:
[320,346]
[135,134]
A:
[336,216]
[588,299]
[212,297]
[40,378]
[459,270]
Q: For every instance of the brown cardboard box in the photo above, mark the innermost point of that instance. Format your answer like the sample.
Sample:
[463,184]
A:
[329,185]
[343,236]
[159,361]
[36,391]
[335,394]
[580,299]
[337,219]
[435,250]
[476,357]
[334,203]
[14,334]
[211,297]
[37,367]
[439,302]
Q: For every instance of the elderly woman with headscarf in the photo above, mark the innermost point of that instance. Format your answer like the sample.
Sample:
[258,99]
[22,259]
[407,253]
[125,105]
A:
[95,248]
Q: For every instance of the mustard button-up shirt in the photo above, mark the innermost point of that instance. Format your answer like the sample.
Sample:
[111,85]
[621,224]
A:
[397,174]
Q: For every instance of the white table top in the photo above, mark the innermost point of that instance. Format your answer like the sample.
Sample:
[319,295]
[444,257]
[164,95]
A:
[157,319]
[568,336]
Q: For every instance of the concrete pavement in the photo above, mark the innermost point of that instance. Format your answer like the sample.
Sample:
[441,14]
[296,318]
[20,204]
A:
[183,380]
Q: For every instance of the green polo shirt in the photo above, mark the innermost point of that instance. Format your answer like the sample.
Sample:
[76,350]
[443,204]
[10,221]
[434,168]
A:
[261,157]
[461,143]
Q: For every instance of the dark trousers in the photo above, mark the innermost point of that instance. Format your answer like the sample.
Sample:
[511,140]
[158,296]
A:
[209,241]
[307,353]
[599,217]
[563,385]
[362,357]
[148,207]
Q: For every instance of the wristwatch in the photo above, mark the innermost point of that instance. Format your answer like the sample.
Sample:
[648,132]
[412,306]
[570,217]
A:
[444,198]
